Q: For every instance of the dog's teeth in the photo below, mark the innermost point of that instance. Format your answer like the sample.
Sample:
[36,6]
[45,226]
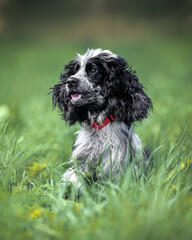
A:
[76,96]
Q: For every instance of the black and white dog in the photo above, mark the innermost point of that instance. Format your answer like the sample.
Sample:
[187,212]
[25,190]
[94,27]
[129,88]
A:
[101,92]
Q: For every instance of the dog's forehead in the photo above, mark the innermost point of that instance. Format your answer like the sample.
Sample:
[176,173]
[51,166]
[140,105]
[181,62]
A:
[91,53]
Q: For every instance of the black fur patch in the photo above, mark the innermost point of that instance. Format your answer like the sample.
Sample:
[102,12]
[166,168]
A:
[123,94]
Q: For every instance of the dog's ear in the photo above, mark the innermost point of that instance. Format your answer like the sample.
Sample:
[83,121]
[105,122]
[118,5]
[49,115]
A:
[59,96]
[127,100]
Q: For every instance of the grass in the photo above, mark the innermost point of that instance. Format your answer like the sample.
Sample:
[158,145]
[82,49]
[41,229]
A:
[35,145]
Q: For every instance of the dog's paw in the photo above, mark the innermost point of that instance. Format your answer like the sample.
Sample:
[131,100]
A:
[72,183]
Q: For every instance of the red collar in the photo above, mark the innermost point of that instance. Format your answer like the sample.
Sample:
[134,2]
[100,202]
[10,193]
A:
[106,121]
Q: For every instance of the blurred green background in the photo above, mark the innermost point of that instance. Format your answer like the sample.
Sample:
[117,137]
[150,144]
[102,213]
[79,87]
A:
[37,38]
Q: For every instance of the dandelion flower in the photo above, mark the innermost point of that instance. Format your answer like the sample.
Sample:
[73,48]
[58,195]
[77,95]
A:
[36,167]
[35,213]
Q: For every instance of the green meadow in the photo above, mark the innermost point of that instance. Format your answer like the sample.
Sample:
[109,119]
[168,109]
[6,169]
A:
[35,145]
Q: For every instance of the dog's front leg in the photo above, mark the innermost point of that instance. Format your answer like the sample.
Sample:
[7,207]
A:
[72,181]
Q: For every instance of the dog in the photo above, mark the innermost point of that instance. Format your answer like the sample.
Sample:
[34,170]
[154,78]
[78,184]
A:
[100,91]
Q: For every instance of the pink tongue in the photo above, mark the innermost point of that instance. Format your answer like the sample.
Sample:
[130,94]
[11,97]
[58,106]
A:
[75,95]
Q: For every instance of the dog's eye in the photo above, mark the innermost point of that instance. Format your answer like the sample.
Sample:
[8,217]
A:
[93,70]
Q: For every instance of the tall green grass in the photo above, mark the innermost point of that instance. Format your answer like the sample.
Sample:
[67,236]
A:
[35,145]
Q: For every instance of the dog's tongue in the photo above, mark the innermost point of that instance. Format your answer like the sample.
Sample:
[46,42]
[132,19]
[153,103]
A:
[76,96]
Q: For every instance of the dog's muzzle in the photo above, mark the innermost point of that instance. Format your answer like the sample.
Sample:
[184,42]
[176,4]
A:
[72,82]
[75,94]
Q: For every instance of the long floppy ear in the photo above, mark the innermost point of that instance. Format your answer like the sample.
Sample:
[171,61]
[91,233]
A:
[127,100]
[59,96]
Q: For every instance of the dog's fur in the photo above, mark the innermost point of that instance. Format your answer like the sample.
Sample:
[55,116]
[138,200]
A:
[95,85]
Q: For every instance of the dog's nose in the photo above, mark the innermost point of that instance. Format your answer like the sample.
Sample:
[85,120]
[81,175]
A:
[72,81]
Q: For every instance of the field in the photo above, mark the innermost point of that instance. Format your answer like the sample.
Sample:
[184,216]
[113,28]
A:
[35,145]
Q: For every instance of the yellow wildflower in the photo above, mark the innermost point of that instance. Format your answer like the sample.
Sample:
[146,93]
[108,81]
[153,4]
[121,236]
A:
[174,187]
[185,164]
[171,174]
[37,167]
[15,191]
[35,213]
[182,165]
[189,161]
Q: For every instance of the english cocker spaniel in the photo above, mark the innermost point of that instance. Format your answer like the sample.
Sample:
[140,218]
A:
[100,91]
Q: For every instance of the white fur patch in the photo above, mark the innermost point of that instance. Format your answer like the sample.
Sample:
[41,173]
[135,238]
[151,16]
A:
[107,149]
[93,53]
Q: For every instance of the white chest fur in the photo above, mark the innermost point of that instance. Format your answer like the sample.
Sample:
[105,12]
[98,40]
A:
[106,148]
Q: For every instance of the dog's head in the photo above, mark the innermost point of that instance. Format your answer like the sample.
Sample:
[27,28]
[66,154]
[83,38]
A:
[100,81]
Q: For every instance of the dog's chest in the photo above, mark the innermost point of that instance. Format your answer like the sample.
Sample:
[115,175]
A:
[89,144]
[106,145]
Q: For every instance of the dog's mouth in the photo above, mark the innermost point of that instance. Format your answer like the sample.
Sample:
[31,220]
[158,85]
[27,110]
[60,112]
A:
[84,98]
[76,97]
